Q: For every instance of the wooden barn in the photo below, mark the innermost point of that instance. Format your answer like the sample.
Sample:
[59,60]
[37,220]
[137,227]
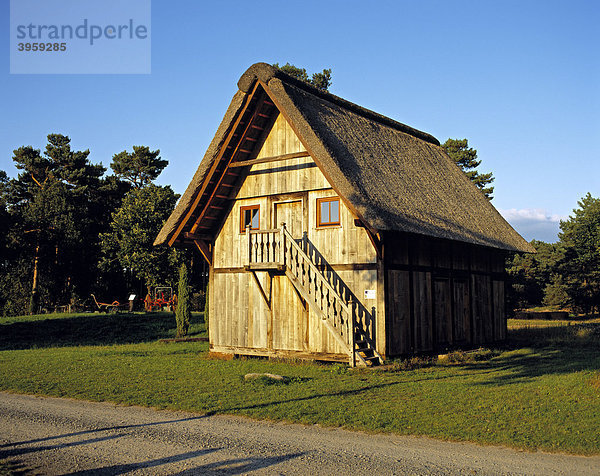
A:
[336,233]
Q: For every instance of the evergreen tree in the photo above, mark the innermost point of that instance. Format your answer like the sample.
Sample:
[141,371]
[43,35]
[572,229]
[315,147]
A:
[466,158]
[183,313]
[140,167]
[206,313]
[50,203]
[530,274]
[320,80]
[579,266]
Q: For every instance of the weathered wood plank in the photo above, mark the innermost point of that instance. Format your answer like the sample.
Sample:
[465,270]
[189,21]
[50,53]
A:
[461,314]
[274,158]
[499,315]
[442,313]
[398,309]
[422,331]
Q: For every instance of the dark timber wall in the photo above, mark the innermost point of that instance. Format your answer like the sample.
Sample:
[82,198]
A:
[442,294]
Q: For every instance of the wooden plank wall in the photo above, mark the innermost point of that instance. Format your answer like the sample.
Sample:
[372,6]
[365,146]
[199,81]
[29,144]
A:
[442,294]
[240,317]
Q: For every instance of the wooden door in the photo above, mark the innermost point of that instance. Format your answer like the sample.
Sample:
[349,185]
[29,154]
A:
[423,315]
[291,213]
[290,313]
[462,316]
[399,310]
[442,312]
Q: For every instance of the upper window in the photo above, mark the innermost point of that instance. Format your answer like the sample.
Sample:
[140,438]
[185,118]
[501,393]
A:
[249,215]
[328,211]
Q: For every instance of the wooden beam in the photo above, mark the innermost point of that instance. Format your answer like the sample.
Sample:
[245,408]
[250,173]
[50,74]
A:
[205,250]
[220,179]
[196,236]
[376,243]
[262,291]
[274,158]
[213,167]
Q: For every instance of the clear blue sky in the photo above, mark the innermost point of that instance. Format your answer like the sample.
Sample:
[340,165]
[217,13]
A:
[519,79]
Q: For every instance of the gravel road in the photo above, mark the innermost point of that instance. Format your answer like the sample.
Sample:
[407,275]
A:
[59,436]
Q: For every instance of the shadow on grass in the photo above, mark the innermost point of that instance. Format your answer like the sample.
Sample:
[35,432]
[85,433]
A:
[548,351]
[89,329]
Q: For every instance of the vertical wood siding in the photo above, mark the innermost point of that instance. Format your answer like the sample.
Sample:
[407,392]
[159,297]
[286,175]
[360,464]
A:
[442,294]
[241,317]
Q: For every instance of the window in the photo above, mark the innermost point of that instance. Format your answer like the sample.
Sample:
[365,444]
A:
[328,211]
[250,215]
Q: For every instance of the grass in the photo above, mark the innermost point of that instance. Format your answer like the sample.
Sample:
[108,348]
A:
[539,391]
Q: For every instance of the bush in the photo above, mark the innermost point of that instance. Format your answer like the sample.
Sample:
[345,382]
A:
[184,312]
[198,301]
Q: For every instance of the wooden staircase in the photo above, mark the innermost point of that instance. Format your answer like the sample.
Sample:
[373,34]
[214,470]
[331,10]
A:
[276,249]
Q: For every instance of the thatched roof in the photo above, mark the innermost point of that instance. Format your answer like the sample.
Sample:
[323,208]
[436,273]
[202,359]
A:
[393,177]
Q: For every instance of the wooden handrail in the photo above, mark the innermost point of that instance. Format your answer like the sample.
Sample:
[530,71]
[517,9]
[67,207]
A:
[314,268]
[269,230]
[277,246]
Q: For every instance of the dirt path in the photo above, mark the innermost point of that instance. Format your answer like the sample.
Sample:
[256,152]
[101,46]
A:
[56,436]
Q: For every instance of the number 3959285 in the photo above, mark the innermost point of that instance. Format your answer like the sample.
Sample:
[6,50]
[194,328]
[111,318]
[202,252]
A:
[42,46]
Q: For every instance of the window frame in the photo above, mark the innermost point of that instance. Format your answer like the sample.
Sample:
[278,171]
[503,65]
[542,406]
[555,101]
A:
[320,222]
[244,209]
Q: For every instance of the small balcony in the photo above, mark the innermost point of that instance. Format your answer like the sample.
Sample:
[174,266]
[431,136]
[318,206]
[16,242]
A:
[266,249]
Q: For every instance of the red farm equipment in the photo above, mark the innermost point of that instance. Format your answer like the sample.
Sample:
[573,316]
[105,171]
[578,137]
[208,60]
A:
[162,298]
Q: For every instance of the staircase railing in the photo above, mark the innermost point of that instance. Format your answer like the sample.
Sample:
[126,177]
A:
[318,293]
[277,248]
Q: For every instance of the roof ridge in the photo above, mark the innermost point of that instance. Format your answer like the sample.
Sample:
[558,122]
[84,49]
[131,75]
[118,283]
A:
[265,72]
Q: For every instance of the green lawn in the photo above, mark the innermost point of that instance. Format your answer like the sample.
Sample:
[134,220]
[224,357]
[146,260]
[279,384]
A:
[540,391]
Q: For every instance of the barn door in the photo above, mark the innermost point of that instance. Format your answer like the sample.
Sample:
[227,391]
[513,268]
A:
[290,314]
[462,317]
[442,312]
[291,213]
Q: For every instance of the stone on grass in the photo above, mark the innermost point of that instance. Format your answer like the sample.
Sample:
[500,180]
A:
[265,377]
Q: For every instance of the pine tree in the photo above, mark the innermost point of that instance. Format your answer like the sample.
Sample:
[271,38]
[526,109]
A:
[139,167]
[579,267]
[320,80]
[466,158]
[55,227]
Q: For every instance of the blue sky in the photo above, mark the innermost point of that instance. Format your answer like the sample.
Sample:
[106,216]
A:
[519,79]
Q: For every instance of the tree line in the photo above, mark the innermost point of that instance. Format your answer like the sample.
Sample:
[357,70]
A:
[68,229]
[564,274]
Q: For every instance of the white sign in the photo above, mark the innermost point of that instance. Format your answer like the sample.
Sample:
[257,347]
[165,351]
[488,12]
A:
[370,294]
[132,297]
